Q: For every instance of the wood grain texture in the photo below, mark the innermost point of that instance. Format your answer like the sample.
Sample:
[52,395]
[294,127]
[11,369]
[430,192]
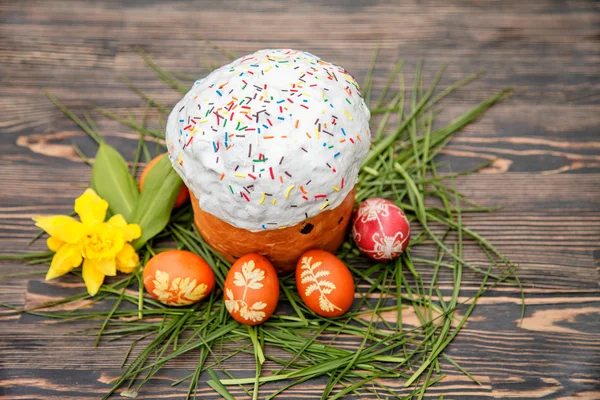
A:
[545,140]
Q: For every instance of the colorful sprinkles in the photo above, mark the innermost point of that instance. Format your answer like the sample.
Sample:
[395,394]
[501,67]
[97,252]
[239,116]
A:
[237,111]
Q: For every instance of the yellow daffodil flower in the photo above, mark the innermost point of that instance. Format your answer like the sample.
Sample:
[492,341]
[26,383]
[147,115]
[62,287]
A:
[102,246]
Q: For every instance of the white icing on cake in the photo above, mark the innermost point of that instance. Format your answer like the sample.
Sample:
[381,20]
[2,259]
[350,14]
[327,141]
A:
[271,139]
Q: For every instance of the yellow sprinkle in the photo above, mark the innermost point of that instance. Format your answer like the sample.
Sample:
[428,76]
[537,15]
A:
[337,189]
[287,192]
[305,94]
[282,227]
[348,114]
[203,121]
[318,133]
[240,175]
[262,199]
[274,201]
[267,70]
[180,161]
[325,204]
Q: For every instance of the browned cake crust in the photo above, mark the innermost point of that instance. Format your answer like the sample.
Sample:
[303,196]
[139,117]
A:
[283,247]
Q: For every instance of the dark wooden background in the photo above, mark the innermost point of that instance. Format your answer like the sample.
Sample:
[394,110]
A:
[546,141]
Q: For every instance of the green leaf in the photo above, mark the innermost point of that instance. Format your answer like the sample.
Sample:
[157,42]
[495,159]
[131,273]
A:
[216,384]
[112,182]
[161,187]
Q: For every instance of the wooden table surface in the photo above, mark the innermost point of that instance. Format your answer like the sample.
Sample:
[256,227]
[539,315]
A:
[545,140]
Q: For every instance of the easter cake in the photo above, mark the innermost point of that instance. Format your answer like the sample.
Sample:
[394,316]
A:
[270,147]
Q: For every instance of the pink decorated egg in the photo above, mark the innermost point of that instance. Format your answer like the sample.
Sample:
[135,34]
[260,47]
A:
[380,229]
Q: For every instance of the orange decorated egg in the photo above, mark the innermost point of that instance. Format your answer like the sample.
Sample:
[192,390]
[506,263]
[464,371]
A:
[178,278]
[324,283]
[251,290]
[184,194]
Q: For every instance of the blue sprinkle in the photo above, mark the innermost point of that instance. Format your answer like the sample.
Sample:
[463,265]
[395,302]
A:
[343,131]
[265,126]
[336,154]
[306,101]
[324,144]
[181,120]
[219,93]
[180,132]
[264,227]
[258,129]
[281,118]
[280,101]
[215,146]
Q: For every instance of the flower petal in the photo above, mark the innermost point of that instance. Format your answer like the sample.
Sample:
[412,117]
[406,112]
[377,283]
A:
[62,227]
[54,243]
[92,276]
[107,266]
[91,207]
[65,259]
[130,231]
[127,259]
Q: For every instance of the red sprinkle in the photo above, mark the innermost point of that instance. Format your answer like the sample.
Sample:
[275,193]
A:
[252,176]
[245,196]
[271,172]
